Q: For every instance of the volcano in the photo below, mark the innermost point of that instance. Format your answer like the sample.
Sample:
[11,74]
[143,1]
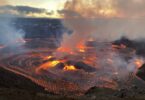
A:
[72,73]
[49,71]
[37,73]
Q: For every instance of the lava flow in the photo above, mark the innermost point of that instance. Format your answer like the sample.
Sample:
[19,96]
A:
[68,72]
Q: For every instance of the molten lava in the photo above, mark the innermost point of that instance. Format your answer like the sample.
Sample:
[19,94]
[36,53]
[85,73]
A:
[88,62]
[69,68]
[81,47]
[53,63]
[82,50]
[139,62]
[65,50]
[47,65]
[49,57]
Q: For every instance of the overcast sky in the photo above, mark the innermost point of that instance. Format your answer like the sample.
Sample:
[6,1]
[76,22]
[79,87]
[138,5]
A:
[47,4]
[75,8]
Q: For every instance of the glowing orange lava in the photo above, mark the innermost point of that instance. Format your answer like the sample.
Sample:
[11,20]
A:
[69,67]
[66,50]
[48,57]
[81,50]
[139,62]
[47,65]
[81,47]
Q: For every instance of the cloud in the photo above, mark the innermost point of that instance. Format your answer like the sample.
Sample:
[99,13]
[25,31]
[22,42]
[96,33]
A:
[3,2]
[24,11]
[105,8]
[68,13]
[104,20]
[131,8]
[91,8]
[9,35]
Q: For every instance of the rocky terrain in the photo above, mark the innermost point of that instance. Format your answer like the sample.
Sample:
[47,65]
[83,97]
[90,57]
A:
[15,87]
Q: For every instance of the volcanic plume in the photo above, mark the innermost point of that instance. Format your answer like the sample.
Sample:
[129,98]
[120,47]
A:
[3,2]
[9,35]
[101,21]
[104,20]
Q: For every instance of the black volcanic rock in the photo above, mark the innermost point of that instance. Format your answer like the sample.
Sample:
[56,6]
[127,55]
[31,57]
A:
[124,41]
[11,80]
[60,66]
[85,67]
[98,92]
[138,45]
[141,72]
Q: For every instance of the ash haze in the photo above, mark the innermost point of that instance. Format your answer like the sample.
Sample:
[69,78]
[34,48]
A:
[3,2]
[105,20]
[106,8]
[8,34]
[92,8]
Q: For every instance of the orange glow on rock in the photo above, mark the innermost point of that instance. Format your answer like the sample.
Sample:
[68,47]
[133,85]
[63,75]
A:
[66,50]
[47,65]
[48,57]
[139,62]
[69,67]
[82,50]
[81,47]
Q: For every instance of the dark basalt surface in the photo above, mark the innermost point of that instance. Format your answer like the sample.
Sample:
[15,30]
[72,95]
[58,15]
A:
[16,87]
[85,67]
[138,45]
[141,72]
[11,80]
[78,65]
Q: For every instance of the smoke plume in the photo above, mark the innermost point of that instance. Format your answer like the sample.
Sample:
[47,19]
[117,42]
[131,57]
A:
[9,35]
[3,2]
[105,20]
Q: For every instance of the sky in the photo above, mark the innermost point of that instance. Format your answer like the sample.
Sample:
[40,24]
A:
[47,4]
[74,8]
[116,16]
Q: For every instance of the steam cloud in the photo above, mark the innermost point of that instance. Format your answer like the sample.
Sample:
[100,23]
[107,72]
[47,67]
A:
[105,20]
[23,11]
[9,35]
[3,2]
